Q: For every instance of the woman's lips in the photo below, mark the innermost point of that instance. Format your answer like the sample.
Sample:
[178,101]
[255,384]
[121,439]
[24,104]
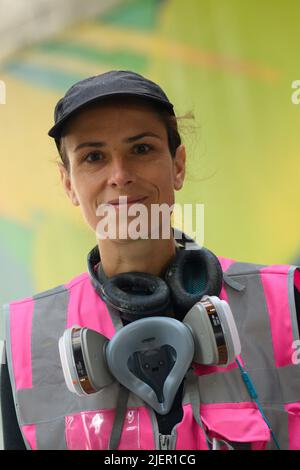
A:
[124,200]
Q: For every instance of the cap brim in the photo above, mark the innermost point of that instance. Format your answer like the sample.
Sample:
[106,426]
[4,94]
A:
[56,130]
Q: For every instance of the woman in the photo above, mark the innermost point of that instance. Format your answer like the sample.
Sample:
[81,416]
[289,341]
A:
[119,144]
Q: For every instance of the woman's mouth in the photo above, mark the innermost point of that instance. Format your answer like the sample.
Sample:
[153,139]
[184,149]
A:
[122,201]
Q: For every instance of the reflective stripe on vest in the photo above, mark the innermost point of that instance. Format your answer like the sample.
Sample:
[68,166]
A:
[51,417]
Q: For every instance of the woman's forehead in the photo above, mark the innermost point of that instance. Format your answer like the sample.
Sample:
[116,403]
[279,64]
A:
[122,113]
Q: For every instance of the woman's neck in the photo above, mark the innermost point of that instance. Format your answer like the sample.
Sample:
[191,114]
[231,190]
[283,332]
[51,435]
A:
[148,256]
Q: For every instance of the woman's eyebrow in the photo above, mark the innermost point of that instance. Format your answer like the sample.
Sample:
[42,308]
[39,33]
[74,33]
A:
[127,140]
[140,136]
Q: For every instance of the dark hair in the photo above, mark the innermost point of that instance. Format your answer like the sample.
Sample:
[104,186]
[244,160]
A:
[171,125]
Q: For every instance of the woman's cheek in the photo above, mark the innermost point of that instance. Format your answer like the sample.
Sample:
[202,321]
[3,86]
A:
[88,207]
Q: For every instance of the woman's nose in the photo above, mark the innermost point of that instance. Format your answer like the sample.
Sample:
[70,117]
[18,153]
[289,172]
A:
[120,173]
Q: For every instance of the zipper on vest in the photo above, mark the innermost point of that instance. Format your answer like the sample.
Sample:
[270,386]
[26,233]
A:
[162,441]
[165,441]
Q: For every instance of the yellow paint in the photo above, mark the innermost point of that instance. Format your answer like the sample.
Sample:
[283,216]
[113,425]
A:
[157,46]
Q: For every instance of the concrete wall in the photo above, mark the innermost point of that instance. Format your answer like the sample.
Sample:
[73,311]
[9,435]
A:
[25,22]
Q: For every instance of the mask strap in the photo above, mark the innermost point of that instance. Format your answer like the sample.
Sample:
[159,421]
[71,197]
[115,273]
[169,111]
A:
[191,383]
[193,390]
[216,444]
[121,410]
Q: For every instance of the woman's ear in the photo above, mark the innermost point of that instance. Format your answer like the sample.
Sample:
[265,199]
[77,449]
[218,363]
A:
[179,167]
[67,184]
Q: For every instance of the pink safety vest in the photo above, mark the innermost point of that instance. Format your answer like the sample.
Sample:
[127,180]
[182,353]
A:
[50,417]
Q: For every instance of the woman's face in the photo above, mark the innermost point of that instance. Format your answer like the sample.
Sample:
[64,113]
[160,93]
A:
[119,149]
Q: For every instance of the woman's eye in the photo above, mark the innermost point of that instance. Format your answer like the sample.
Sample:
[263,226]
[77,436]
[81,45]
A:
[142,148]
[93,156]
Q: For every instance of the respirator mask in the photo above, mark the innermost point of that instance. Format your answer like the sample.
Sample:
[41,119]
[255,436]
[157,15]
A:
[173,322]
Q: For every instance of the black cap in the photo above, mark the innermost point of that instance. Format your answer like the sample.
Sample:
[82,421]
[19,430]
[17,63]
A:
[115,82]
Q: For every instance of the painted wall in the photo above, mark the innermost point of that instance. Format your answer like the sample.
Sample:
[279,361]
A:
[232,65]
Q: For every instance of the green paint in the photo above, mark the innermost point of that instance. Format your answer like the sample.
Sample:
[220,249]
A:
[135,14]
[45,77]
[17,239]
[95,55]
[16,260]
[60,249]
